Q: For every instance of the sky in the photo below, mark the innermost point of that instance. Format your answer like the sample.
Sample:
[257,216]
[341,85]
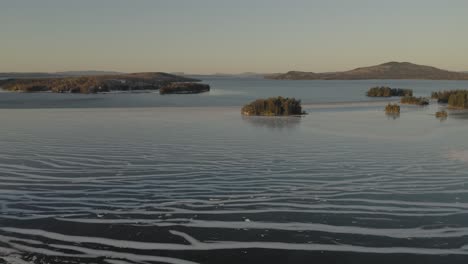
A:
[226,36]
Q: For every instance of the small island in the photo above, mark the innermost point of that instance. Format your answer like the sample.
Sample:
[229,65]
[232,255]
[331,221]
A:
[443,96]
[392,109]
[273,106]
[441,114]
[457,99]
[384,91]
[414,100]
[184,88]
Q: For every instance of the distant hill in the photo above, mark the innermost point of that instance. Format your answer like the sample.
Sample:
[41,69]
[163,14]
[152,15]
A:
[16,75]
[389,70]
[87,73]
[229,75]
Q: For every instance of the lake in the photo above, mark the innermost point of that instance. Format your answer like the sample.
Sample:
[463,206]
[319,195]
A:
[142,178]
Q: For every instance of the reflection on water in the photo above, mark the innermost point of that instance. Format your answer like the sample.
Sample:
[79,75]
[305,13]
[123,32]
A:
[392,116]
[459,114]
[274,122]
[459,155]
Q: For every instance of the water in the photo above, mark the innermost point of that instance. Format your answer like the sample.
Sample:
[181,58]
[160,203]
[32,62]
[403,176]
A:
[229,92]
[202,184]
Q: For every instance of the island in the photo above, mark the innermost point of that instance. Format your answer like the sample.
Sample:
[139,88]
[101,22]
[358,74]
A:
[95,83]
[273,106]
[443,96]
[457,99]
[389,70]
[441,114]
[414,100]
[384,91]
[184,88]
[392,109]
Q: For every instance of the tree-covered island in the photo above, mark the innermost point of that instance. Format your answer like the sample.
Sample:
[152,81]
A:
[414,100]
[273,106]
[392,109]
[441,114]
[384,91]
[184,88]
[454,98]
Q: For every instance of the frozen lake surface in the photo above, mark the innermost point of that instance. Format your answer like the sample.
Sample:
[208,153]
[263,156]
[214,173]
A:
[110,182]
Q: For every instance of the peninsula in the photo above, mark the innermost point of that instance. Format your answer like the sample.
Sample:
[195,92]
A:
[100,83]
[389,70]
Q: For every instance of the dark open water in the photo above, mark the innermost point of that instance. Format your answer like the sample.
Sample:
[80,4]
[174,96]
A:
[120,181]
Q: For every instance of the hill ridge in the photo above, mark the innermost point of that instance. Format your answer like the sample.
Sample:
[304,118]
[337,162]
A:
[387,70]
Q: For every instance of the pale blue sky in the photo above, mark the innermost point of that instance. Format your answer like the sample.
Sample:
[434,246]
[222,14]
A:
[208,36]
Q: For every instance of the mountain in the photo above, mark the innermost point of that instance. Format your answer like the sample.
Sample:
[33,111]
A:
[389,70]
[229,75]
[17,75]
[5,75]
[87,73]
